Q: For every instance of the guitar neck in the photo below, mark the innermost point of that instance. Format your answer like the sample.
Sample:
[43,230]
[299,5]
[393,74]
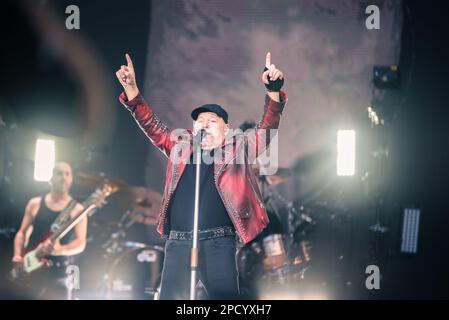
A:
[72,223]
[89,205]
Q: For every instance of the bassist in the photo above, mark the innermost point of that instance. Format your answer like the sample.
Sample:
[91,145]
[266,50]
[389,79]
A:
[40,214]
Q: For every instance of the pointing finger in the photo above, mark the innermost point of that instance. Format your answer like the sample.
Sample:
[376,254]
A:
[268,60]
[128,59]
[272,68]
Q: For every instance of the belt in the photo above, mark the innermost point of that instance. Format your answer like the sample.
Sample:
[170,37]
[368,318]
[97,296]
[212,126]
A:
[202,234]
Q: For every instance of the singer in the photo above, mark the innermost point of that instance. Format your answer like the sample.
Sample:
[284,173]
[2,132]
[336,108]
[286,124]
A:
[231,209]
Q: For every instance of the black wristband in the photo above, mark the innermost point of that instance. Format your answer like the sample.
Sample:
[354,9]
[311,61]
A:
[273,86]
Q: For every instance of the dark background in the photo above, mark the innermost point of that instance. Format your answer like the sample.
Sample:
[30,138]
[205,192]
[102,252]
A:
[416,133]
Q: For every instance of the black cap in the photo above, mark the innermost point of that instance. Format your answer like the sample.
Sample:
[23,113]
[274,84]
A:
[215,108]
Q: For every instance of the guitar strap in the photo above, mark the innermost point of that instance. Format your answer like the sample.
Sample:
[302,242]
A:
[63,217]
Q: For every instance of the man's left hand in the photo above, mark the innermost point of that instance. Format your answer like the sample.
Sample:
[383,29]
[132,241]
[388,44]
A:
[272,73]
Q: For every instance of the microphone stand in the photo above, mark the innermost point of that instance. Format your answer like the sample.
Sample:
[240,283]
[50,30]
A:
[194,251]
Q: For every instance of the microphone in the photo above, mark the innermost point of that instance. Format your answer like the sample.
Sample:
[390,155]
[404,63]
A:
[200,135]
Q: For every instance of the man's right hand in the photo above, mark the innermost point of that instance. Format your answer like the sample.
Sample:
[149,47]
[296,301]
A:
[127,78]
[45,248]
[17,266]
[17,258]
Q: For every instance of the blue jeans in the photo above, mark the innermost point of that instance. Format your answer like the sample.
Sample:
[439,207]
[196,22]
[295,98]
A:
[217,269]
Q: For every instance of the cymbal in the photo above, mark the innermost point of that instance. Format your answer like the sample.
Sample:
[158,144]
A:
[144,204]
[92,180]
[144,215]
[281,175]
[103,223]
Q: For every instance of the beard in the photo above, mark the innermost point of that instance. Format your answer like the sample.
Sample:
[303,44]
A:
[210,142]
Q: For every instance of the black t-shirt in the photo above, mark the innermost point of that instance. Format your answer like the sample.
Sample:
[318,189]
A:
[212,212]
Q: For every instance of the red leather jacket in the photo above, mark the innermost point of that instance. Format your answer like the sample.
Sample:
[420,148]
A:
[236,183]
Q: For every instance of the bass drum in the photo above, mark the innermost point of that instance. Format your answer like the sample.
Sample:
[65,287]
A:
[264,258]
[135,274]
[273,258]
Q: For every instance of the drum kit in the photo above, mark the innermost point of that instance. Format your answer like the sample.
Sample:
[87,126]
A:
[281,254]
[124,268]
[132,269]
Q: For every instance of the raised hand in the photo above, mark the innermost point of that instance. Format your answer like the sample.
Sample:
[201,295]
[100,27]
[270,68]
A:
[271,73]
[127,78]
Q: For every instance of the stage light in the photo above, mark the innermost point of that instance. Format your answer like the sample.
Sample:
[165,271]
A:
[410,229]
[292,292]
[44,159]
[345,152]
[279,296]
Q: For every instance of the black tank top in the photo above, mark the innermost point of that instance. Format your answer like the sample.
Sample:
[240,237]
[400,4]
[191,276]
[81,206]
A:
[42,224]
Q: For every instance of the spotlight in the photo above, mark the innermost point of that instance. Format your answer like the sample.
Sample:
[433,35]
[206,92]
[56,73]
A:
[44,159]
[374,117]
[410,229]
[345,152]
